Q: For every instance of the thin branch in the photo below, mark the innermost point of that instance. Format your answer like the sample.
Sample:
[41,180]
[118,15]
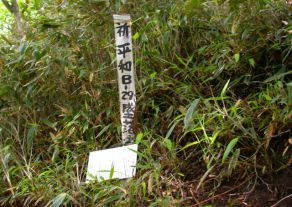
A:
[14,9]
[219,195]
[276,204]
[10,7]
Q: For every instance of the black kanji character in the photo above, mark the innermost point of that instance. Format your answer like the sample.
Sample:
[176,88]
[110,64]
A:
[127,66]
[123,30]
[129,108]
[128,115]
[127,121]
[129,129]
[124,49]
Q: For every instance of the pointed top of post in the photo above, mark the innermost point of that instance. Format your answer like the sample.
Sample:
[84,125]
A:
[121,17]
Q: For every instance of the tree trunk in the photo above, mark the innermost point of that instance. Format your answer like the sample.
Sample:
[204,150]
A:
[14,9]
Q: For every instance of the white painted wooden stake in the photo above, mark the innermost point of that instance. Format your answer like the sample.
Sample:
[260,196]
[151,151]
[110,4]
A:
[125,68]
[120,162]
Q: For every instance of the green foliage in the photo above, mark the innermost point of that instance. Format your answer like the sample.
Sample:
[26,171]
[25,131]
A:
[58,200]
[214,96]
[189,114]
[229,147]
[5,19]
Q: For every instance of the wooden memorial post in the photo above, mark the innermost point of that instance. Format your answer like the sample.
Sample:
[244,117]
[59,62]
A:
[120,162]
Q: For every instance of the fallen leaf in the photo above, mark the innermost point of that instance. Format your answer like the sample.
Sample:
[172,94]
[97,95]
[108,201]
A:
[269,134]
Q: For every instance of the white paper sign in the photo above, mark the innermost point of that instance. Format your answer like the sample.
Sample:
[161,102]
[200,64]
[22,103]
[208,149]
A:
[125,68]
[119,162]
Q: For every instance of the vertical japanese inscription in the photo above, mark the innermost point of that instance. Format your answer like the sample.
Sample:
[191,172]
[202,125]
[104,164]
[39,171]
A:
[125,69]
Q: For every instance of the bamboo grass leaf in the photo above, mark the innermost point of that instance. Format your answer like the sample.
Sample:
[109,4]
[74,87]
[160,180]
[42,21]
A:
[229,148]
[190,112]
[58,200]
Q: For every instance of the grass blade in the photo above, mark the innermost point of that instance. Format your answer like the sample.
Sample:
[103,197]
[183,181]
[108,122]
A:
[58,200]
[190,112]
[230,146]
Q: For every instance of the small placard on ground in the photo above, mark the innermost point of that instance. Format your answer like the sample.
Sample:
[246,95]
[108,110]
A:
[119,162]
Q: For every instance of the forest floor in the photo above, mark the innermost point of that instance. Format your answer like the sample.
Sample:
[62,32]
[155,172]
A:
[275,191]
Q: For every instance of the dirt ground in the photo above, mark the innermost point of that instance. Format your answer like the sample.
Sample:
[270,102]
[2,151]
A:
[275,191]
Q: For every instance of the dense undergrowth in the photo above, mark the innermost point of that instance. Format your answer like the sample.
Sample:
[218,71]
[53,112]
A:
[214,99]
